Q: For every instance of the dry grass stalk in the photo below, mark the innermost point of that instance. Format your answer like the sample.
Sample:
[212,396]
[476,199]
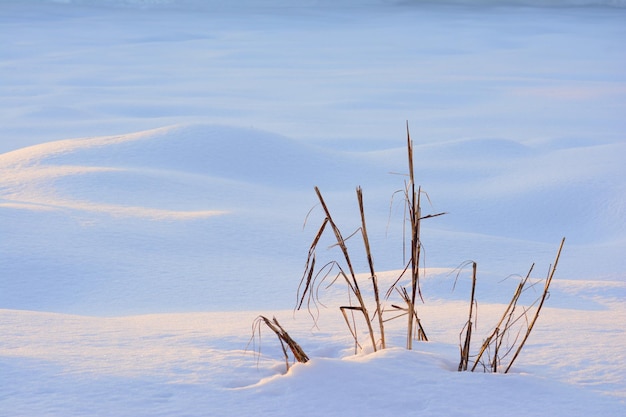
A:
[370,262]
[412,210]
[413,201]
[543,298]
[465,347]
[283,337]
[309,269]
[349,277]
[413,204]
[500,331]
[351,280]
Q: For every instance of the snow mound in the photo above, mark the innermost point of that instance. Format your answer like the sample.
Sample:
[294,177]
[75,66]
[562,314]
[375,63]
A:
[169,168]
[225,201]
[434,390]
[195,363]
[113,204]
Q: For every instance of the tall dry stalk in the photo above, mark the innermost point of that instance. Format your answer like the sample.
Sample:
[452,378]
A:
[350,280]
[465,347]
[412,196]
[308,279]
[349,276]
[499,333]
[370,262]
[543,298]
[413,201]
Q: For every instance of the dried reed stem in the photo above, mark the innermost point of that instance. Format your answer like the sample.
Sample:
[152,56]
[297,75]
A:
[351,280]
[543,298]
[413,203]
[465,348]
[285,339]
[370,262]
[308,278]
[508,315]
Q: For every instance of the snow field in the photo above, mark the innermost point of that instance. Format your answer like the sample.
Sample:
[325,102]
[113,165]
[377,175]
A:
[157,163]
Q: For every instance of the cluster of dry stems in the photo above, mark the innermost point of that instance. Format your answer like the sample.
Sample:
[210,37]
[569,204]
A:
[496,346]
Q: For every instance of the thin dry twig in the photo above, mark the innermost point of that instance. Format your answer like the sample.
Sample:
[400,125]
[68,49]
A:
[370,262]
[283,337]
[543,298]
[308,280]
[499,332]
[465,347]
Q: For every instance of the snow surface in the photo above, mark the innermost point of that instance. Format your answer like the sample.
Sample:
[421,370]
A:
[157,164]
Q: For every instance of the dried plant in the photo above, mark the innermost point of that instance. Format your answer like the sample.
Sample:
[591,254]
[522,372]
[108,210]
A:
[283,337]
[544,295]
[496,347]
[370,263]
[413,209]
[495,341]
[465,346]
[309,278]
[502,328]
